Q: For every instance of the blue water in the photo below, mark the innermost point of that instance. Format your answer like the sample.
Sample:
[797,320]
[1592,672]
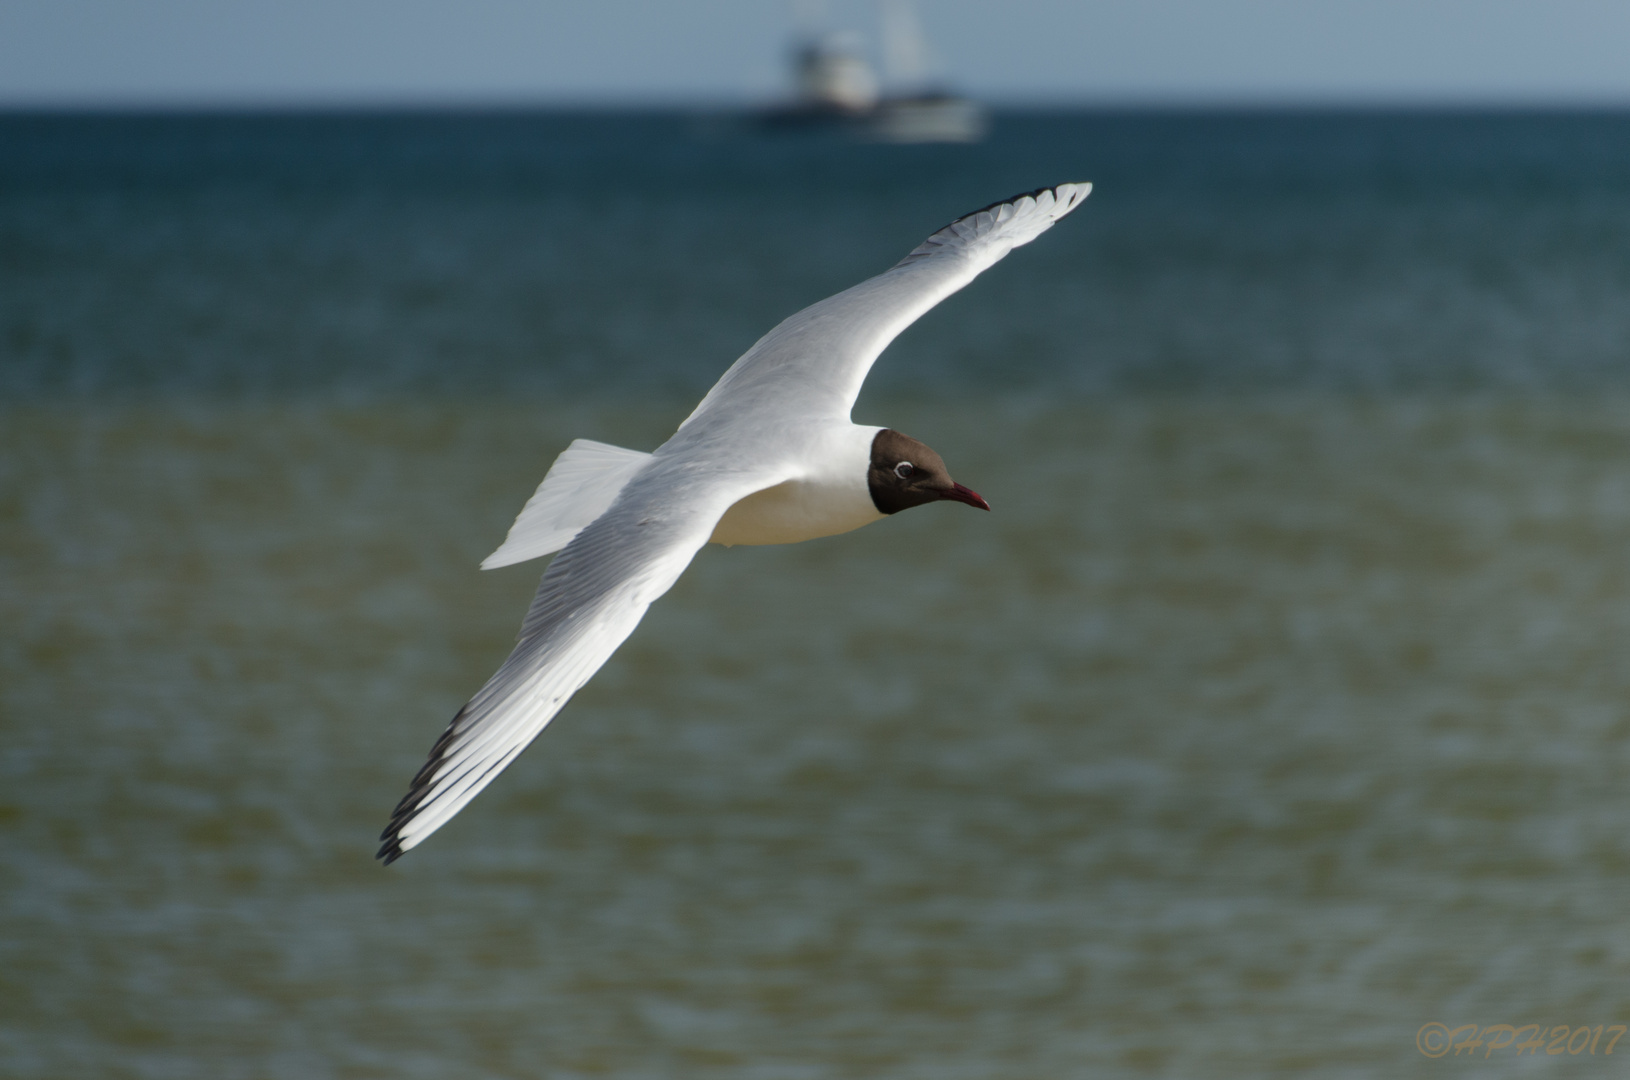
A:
[1278,710]
[534,253]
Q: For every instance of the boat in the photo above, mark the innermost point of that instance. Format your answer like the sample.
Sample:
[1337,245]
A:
[838,89]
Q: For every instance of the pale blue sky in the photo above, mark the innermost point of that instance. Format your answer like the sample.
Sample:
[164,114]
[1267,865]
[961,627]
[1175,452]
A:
[203,52]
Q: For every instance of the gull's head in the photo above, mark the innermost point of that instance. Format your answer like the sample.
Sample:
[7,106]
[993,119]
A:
[906,473]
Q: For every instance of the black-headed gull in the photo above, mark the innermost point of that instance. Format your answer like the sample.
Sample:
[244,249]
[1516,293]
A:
[770,456]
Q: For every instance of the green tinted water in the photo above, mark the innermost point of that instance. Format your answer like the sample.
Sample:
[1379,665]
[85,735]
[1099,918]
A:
[1246,736]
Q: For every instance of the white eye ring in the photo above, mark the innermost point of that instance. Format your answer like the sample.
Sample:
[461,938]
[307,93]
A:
[904,470]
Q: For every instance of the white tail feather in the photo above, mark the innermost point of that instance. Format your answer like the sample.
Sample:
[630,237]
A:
[580,486]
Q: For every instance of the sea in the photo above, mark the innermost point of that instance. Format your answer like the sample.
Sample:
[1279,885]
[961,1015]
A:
[1276,722]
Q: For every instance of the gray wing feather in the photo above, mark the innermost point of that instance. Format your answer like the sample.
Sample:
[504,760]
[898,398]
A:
[591,598]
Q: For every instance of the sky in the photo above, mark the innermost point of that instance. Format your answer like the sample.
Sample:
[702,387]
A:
[134,53]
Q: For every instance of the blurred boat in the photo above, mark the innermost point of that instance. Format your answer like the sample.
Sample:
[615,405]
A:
[838,89]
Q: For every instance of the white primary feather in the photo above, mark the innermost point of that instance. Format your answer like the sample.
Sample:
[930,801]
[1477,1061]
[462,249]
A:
[632,522]
[813,363]
[578,488]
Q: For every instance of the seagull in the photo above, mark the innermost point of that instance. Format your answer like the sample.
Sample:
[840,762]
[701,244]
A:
[770,456]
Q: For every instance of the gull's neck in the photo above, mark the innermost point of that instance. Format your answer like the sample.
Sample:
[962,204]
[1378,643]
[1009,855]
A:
[830,496]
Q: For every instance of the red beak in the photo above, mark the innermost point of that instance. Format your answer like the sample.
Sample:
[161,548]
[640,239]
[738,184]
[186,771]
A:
[966,495]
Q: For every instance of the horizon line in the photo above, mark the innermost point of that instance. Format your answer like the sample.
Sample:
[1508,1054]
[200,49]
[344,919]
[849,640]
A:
[704,104]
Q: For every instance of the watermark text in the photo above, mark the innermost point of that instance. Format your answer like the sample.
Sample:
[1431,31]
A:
[1435,1040]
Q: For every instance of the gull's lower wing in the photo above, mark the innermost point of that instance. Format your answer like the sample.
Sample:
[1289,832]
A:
[590,599]
[813,363]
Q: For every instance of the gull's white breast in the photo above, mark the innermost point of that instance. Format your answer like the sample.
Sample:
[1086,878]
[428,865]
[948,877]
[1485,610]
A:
[830,497]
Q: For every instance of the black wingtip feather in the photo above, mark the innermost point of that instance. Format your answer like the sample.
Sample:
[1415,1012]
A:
[418,788]
[924,248]
[1010,199]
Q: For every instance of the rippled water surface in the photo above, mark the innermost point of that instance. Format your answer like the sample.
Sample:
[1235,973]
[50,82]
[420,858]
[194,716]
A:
[1279,708]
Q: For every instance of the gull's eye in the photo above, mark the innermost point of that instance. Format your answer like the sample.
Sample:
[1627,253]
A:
[904,470]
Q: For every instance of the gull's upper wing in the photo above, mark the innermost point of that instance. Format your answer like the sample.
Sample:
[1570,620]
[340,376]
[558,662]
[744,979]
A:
[590,599]
[814,362]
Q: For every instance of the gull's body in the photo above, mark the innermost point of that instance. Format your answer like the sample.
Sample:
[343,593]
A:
[770,456]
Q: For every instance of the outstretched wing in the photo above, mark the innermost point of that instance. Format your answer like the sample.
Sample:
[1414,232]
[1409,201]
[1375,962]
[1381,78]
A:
[813,363]
[590,599]
[595,592]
